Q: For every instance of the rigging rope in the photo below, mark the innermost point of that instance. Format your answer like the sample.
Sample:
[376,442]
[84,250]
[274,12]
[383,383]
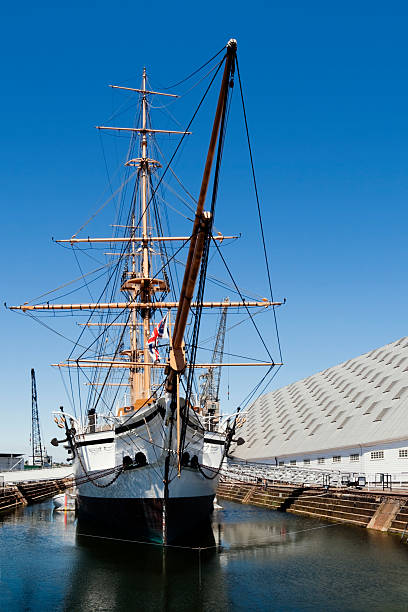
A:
[182,138]
[195,71]
[252,393]
[105,203]
[259,209]
[243,299]
[75,280]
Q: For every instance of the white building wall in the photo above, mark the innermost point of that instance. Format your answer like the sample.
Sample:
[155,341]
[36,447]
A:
[360,459]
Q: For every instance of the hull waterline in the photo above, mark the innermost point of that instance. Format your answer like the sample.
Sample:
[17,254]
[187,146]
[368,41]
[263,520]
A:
[141,520]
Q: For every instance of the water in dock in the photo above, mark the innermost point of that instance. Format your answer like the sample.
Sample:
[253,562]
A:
[264,560]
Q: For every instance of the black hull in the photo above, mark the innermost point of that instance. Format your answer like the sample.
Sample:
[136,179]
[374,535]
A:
[142,519]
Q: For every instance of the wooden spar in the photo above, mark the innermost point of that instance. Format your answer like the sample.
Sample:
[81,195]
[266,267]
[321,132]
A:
[140,239]
[106,384]
[177,359]
[178,424]
[191,270]
[109,324]
[115,324]
[143,130]
[88,363]
[154,305]
[107,364]
[145,91]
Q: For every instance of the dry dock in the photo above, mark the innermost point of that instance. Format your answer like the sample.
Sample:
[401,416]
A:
[382,511]
[17,492]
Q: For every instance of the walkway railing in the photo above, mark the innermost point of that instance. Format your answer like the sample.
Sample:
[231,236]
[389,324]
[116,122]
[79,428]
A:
[259,472]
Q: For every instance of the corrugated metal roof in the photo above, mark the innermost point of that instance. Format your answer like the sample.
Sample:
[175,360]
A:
[361,401]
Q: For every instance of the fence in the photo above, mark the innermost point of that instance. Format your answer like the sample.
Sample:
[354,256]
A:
[254,472]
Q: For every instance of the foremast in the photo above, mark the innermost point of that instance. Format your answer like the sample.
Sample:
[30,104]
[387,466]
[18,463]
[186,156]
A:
[140,284]
[145,291]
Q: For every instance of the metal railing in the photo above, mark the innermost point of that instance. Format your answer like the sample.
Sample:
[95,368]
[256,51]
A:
[253,472]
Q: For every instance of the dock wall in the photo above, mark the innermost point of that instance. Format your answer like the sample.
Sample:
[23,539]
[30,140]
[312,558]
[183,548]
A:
[374,510]
[20,494]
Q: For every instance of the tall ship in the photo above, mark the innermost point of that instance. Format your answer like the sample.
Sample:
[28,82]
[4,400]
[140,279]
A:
[145,434]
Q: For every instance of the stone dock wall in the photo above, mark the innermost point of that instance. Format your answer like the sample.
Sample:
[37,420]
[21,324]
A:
[22,493]
[374,510]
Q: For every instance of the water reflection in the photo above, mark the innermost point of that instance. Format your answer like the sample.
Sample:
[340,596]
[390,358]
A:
[114,575]
[247,535]
[257,560]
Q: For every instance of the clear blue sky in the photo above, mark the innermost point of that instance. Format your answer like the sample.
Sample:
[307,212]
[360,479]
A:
[326,94]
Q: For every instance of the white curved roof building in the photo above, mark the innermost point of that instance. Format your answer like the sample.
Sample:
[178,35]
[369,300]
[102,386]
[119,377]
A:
[353,416]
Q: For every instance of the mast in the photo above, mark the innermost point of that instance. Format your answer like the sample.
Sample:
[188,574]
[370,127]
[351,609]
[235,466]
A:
[140,284]
[145,296]
[134,379]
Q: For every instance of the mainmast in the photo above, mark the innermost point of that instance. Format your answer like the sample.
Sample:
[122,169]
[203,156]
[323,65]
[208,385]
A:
[141,286]
[145,294]
[134,378]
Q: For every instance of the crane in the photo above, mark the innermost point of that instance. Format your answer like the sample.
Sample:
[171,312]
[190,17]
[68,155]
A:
[210,386]
[38,455]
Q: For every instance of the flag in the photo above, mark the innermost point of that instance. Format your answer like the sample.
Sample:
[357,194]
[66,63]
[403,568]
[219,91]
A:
[154,353]
[160,331]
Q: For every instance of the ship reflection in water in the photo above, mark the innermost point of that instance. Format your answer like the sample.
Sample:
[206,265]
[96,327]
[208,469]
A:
[249,559]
